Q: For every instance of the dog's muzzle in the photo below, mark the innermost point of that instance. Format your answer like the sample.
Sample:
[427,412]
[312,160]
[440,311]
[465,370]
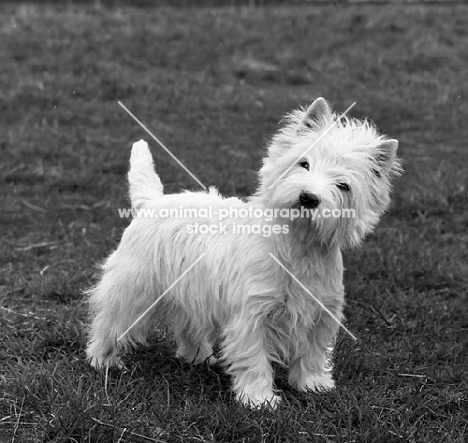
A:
[309,200]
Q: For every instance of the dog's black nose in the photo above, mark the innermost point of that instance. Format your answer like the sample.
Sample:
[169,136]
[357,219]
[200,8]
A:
[309,200]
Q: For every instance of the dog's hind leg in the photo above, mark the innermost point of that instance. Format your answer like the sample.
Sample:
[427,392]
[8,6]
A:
[117,305]
[194,353]
[193,347]
[103,346]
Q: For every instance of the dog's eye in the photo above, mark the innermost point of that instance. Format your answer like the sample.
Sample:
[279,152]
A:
[343,186]
[305,165]
[376,173]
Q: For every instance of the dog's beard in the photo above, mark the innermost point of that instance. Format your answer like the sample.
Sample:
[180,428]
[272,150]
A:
[315,227]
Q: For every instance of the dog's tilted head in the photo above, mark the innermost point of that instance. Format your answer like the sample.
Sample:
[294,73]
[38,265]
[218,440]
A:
[337,169]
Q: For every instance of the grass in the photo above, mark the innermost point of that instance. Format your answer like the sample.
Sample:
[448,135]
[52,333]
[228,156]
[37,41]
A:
[211,84]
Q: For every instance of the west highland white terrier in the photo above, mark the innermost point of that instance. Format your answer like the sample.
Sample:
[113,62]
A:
[262,298]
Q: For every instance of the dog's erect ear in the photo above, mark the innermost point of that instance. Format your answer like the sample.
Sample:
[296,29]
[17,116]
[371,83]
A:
[386,154]
[317,114]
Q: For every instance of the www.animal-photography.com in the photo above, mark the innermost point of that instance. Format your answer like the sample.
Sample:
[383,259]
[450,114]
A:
[234,221]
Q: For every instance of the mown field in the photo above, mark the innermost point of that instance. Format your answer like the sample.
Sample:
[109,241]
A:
[212,84]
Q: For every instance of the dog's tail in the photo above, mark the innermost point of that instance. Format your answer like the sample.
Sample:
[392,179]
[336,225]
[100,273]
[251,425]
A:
[145,185]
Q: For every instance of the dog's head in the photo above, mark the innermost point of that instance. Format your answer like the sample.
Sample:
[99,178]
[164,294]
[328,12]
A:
[336,169]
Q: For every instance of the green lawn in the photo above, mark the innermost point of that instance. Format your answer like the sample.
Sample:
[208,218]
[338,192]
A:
[212,84]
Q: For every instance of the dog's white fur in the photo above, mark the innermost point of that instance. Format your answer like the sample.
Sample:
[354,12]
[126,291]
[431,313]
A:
[237,294]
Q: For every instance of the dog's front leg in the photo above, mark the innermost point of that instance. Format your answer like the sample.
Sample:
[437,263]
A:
[311,367]
[245,354]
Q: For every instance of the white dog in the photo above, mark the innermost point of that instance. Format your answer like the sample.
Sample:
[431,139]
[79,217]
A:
[238,294]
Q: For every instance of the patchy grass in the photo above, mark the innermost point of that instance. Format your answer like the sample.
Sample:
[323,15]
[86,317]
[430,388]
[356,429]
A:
[212,83]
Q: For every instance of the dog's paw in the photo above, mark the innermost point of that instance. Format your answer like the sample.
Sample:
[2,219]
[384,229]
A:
[198,360]
[317,382]
[197,355]
[212,360]
[103,363]
[259,400]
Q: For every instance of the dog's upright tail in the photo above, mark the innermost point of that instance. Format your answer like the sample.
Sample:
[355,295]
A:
[145,185]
